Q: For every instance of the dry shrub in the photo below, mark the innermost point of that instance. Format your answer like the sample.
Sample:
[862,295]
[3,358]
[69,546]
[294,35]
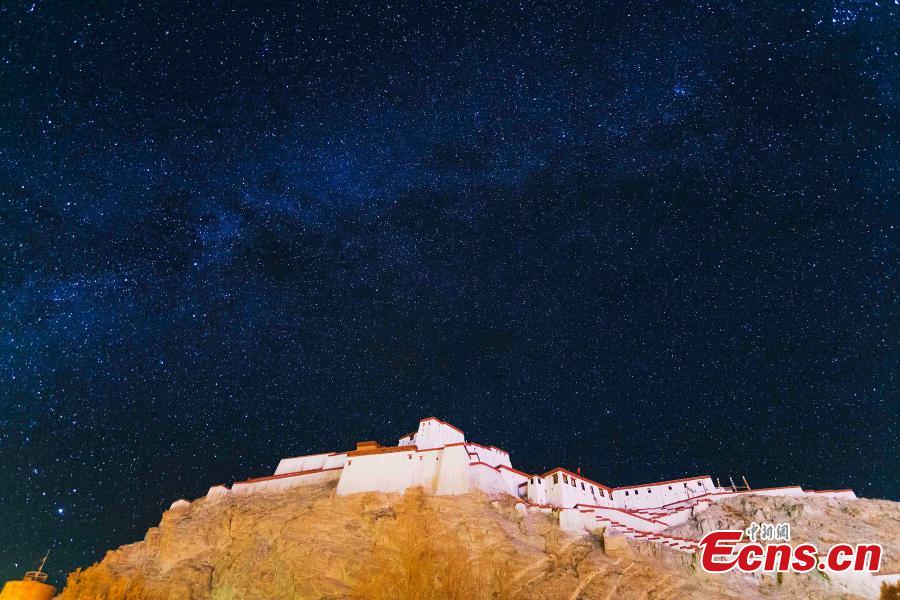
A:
[99,583]
[890,591]
[418,557]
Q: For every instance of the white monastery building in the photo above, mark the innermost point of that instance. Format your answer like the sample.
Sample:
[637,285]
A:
[438,459]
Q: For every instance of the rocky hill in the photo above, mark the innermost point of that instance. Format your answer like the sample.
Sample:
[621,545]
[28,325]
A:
[308,543]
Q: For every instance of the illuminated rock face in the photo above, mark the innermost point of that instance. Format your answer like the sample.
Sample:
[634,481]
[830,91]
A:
[308,542]
[27,590]
[309,528]
[437,458]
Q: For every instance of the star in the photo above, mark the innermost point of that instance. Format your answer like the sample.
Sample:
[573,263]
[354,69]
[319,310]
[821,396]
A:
[620,237]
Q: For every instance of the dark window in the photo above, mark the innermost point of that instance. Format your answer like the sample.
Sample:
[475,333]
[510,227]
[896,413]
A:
[555,479]
[685,485]
[626,492]
[670,487]
[649,491]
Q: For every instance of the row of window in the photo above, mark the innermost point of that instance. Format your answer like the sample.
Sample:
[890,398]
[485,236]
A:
[567,479]
[574,483]
[650,490]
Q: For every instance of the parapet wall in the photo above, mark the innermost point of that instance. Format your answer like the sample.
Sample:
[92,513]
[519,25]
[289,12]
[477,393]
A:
[312,462]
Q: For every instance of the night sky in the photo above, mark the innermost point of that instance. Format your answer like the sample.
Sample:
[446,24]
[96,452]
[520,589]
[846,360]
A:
[650,240]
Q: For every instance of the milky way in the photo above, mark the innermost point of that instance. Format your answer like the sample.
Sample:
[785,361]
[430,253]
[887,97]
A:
[649,241]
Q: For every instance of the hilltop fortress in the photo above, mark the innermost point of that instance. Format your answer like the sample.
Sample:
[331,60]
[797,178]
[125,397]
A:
[438,459]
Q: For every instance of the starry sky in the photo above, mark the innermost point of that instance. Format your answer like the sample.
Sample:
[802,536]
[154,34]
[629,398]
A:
[647,239]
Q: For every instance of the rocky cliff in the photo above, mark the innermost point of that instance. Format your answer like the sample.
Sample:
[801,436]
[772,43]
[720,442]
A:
[308,543]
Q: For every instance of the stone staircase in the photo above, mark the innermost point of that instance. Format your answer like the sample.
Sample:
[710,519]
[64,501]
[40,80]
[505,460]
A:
[643,525]
[680,544]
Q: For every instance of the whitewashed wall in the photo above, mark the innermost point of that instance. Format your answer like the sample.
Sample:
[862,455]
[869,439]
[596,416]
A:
[655,495]
[296,464]
[566,490]
[454,475]
[488,479]
[394,472]
[433,433]
[514,480]
[311,462]
[537,490]
[489,454]
[280,483]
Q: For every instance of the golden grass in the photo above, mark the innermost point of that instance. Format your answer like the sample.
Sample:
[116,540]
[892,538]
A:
[99,583]
[890,591]
[417,556]
[413,553]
